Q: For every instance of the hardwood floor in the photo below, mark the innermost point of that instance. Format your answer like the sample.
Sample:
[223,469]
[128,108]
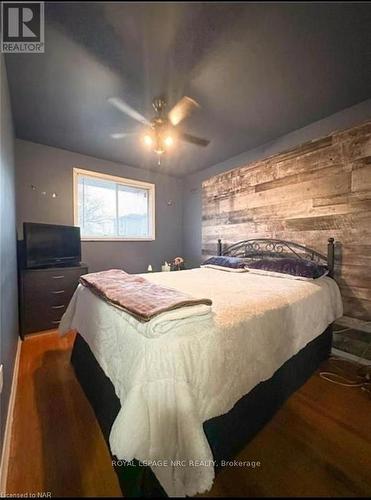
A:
[57,445]
[318,444]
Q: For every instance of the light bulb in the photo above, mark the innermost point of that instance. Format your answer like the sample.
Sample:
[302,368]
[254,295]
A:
[169,141]
[148,141]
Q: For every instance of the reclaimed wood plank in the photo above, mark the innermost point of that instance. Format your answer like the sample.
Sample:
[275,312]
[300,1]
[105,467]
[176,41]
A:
[311,175]
[361,179]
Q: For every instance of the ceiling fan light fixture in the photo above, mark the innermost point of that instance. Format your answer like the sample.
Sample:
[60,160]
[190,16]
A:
[159,147]
[161,134]
[148,140]
[169,141]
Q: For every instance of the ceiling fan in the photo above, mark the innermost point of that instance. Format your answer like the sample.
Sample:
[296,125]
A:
[161,132]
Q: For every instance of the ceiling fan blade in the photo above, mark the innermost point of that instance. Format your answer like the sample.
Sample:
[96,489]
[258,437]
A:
[182,109]
[194,140]
[128,110]
[123,135]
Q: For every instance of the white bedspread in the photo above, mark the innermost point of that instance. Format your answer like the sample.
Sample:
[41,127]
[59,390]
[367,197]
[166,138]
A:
[177,372]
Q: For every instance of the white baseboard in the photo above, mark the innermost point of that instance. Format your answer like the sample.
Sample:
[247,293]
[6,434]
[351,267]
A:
[357,324]
[9,423]
[351,357]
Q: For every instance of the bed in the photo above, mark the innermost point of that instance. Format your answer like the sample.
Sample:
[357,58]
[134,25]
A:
[177,399]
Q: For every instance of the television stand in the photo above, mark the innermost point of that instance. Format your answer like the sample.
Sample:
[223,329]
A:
[44,294]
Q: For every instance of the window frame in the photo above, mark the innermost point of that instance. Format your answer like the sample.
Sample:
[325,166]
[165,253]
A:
[77,172]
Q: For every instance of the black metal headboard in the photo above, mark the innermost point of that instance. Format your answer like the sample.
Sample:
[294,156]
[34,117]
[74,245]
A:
[265,247]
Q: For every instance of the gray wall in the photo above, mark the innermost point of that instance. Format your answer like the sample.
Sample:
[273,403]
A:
[8,251]
[50,170]
[192,210]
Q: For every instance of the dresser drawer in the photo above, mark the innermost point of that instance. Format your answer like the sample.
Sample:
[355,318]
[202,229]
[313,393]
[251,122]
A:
[49,296]
[47,319]
[54,303]
[51,280]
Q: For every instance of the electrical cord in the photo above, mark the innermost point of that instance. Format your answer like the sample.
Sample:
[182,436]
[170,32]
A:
[342,380]
[362,380]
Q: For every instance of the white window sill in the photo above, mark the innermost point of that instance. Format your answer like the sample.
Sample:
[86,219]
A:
[117,239]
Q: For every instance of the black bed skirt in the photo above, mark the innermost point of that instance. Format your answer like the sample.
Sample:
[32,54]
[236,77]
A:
[227,434]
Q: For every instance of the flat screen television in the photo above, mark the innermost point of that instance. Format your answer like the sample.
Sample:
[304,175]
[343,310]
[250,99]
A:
[48,245]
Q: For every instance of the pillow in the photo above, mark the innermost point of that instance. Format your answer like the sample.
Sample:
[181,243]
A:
[228,269]
[288,268]
[233,264]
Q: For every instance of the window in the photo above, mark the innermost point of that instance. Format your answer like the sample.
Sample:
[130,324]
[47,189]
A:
[113,208]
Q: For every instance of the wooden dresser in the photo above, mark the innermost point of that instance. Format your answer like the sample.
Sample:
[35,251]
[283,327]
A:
[44,296]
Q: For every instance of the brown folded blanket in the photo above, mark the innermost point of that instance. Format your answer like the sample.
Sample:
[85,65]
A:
[136,295]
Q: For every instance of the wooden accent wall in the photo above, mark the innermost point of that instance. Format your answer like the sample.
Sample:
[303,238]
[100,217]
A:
[306,195]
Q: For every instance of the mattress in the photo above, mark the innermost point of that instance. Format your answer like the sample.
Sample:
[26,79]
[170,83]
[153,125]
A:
[169,385]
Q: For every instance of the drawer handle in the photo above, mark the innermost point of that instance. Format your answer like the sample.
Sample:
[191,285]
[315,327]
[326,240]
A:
[58,291]
[58,307]
[57,277]
[56,322]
